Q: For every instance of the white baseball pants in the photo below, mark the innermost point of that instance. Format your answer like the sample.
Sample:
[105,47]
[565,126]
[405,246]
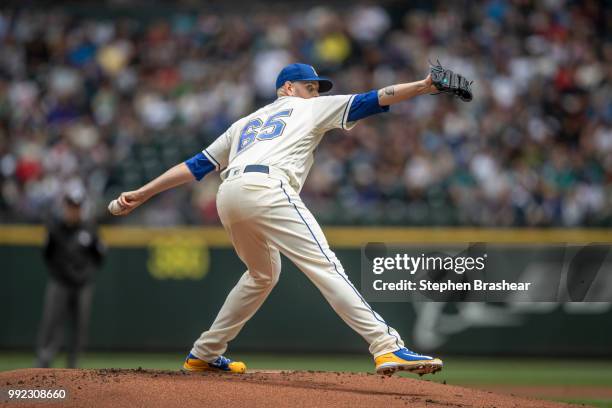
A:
[264,217]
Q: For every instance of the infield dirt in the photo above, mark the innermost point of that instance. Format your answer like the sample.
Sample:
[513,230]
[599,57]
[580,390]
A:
[152,388]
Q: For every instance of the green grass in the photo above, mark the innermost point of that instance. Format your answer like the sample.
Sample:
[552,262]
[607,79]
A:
[481,371]
[599,403]
[458,370]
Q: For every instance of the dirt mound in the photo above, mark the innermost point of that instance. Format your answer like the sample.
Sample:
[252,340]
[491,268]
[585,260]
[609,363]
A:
[152,388]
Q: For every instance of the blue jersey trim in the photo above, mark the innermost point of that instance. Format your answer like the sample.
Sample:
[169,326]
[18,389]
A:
[364,105]
[211,158]
[199,165]
[345,119]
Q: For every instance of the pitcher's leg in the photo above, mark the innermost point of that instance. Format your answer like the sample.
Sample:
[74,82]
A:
[297,234]
[263,263]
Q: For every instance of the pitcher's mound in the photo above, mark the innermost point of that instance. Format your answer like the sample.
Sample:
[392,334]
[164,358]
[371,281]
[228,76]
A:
[152,388]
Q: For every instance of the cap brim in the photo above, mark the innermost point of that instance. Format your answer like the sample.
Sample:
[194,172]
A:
[325,85]
[73,203]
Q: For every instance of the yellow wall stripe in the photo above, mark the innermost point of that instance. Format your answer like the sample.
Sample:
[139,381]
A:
[339,237]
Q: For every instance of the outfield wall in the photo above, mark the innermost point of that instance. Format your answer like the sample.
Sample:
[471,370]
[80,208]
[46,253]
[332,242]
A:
[159,288]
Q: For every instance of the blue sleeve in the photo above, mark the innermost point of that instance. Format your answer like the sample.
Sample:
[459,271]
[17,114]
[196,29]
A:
[364,105]
[199,165]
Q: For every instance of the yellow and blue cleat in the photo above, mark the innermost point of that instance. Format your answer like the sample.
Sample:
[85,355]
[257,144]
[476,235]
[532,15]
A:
[220,364]
[406,360]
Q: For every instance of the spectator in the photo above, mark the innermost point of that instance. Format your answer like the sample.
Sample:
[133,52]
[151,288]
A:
[116,101]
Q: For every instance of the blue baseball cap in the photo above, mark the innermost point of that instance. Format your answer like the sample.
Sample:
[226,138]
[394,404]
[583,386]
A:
[302,72]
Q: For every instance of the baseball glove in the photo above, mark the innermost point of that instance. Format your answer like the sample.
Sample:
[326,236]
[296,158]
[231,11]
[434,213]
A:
[447,81]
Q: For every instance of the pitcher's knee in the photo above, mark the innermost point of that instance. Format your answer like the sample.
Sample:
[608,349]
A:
[335,265]
[264,279]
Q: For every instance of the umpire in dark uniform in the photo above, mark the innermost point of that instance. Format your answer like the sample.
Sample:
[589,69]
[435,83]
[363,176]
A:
[73,252]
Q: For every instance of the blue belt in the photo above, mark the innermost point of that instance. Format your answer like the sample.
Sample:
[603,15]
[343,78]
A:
[256,168]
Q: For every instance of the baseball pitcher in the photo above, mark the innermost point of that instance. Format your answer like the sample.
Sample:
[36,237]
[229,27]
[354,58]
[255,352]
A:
[264,159]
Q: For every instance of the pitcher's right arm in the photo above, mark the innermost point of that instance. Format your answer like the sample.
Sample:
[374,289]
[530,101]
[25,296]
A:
[214,157]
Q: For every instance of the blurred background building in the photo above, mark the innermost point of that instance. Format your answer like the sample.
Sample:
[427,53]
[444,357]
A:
[116,97]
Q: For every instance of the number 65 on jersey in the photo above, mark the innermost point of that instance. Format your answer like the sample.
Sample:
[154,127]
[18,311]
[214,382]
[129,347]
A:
[255,129]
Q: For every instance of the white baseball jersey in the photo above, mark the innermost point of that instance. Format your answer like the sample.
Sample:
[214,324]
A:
[265,218]
[283,134]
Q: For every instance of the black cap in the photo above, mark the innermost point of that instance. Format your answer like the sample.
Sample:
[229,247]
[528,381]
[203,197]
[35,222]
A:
[75,197]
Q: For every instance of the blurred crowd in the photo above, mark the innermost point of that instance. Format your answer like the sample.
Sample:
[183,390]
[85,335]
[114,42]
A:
[111,103]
